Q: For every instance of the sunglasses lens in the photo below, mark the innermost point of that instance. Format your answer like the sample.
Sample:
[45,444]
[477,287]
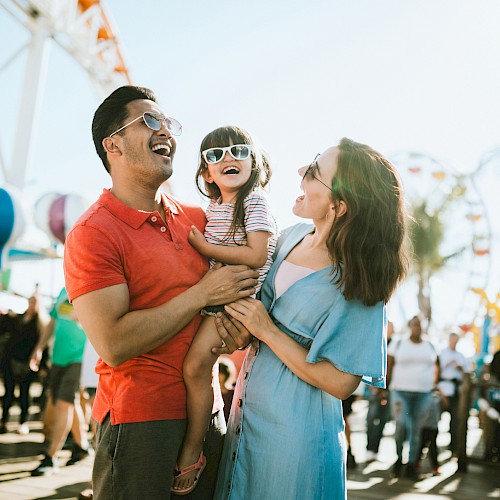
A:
[174,126]
[240,152]
[152,121]
[214,155]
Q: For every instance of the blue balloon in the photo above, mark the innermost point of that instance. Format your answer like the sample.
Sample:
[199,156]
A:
[7,217]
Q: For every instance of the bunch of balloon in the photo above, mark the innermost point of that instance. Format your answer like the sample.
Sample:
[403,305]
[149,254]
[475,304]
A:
[56,214]
[12,225]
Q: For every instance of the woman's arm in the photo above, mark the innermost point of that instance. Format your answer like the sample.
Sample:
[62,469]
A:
[253,254]
[323,375]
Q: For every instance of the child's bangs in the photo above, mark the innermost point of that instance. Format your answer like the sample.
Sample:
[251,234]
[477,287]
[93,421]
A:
[224,136]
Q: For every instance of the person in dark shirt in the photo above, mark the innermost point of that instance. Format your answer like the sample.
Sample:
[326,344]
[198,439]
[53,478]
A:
[24,332]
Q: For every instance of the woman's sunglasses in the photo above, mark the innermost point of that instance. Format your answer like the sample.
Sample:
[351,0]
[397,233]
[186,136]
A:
[238,152]
[310,173]
[154,122]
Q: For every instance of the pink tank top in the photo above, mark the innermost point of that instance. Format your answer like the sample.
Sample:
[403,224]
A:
[288,274]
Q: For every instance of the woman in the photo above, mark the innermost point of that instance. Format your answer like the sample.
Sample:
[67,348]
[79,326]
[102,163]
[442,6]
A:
[324,329]
[16,370]
[412,372]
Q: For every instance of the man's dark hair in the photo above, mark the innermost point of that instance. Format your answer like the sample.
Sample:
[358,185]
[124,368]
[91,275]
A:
[112,113]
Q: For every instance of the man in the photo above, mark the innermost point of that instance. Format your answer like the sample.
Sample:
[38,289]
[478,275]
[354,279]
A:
[138,287]
[453,364]
[64,383]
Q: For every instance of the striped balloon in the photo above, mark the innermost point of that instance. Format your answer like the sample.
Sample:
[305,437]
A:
[12,220]
[55,214]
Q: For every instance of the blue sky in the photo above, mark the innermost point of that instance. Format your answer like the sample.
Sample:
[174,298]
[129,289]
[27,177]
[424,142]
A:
[419,75]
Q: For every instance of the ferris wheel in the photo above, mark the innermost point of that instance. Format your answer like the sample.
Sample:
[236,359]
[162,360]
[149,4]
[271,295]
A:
[465,240]
[84,30]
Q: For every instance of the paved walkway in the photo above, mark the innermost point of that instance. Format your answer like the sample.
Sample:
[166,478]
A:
[21,454]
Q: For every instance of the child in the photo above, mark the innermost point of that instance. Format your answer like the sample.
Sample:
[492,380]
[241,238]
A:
[239,230]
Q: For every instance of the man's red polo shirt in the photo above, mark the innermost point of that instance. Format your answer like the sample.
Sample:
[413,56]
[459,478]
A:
[113,244]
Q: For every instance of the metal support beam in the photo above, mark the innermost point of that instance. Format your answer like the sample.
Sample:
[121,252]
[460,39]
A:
[84,30]
[29,112]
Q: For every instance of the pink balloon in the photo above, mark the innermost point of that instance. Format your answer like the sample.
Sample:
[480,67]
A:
[56,218]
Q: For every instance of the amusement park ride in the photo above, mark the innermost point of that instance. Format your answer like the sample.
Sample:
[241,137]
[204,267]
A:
[83,29]
[466,246]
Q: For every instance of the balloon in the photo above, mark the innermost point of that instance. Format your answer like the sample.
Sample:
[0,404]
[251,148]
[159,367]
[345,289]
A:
[12,220]
[56,214]
[41,212]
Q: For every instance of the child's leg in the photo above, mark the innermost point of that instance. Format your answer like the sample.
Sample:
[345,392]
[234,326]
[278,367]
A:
[197,373]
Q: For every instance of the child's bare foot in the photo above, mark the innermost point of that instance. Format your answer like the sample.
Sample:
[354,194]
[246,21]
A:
[188,472]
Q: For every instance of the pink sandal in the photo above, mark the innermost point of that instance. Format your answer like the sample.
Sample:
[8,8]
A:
[199,466]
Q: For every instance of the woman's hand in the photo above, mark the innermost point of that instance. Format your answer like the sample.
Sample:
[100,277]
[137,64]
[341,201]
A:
[252,314]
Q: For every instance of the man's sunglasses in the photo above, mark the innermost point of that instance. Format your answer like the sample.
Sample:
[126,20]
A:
[154,122]
[238,152]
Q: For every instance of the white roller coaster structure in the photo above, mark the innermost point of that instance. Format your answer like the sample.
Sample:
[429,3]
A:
[83,28]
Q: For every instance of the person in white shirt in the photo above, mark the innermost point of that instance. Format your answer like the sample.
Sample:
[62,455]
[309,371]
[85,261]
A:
[453,364]
[412,373]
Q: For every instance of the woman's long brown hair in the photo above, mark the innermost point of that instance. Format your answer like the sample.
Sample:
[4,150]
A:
[367,244]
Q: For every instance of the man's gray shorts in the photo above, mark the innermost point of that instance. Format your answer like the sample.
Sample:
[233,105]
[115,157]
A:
[64,382]
[136,461]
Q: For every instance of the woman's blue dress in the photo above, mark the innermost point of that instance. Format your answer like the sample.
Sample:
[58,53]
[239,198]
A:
[285,438]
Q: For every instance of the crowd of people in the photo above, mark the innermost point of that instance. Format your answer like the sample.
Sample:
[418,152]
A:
[160,289]
[421,384]
[47,347]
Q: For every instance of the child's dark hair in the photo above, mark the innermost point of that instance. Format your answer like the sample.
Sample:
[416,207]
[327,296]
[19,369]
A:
[259,176]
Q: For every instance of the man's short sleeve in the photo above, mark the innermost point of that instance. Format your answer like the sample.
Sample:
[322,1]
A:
[91,261]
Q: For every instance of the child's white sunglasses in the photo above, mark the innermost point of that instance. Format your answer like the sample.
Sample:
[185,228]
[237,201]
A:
[238,152]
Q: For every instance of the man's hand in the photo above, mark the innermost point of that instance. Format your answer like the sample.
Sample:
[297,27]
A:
[232,333]
[224,284]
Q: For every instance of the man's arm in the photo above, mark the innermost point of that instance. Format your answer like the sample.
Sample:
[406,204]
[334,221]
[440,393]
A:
[119,334]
